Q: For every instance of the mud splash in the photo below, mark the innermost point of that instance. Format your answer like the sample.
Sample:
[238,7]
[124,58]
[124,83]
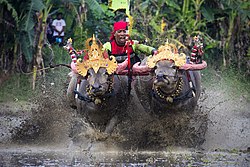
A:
[53,121]
[49,132]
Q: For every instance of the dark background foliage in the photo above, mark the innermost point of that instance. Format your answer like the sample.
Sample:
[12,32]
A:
[223,24]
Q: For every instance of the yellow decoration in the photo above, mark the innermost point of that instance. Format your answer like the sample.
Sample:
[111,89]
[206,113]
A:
[69,40]
[95,59]
[122,4]
[131,22]
[119,4]
[167,52]
[163,25]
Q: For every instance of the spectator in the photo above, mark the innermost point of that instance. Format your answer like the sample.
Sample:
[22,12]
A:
[49,29]
[59,26]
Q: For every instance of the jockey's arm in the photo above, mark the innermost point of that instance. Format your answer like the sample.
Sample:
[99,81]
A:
[144,48]
[107,47]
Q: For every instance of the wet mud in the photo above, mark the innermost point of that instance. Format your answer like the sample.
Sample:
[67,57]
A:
[115,158]
[49,132]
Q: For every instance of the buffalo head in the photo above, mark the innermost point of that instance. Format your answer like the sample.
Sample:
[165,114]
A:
[98,83]
[166,76]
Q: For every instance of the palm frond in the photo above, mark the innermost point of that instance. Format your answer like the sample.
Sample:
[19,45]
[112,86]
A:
[173,5]
[26,40]
[27,24]
[144,5]
[32,7]
[95,6]
[155,26]
[11,8]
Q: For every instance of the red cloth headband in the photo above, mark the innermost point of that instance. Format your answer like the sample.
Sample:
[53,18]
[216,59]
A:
[120,25]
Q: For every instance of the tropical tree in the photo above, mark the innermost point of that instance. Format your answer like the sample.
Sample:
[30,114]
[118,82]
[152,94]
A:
[181,19]
[229,24]
[223,25]
[20,17]
[23,24]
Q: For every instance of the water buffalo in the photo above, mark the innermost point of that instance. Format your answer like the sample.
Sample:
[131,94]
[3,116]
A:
[169,87]
[94,89]
[102,99]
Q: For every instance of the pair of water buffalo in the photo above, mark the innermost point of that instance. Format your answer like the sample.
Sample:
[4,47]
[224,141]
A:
[166,86]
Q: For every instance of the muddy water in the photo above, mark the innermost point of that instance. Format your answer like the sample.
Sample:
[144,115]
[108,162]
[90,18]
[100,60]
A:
[50,133]
[114,158]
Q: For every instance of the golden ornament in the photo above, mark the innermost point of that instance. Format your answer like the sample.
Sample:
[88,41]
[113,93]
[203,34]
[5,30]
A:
[95,59]
[167,52]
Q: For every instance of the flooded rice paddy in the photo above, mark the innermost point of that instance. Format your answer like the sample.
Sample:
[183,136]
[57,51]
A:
[47,132]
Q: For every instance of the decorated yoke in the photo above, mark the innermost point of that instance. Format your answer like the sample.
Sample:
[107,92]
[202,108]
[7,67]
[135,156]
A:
[96,57]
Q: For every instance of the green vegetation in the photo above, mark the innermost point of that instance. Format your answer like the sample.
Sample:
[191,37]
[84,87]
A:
[238,83]
[55,55]
[224,25]
[234,83]
[18,87]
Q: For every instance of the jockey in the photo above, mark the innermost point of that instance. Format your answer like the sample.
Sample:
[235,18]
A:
[117,46]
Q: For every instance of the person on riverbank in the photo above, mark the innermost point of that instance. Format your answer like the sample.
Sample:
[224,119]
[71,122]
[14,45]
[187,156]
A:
[59,27]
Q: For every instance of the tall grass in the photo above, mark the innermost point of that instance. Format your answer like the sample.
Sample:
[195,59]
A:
[19,86]
[234,82]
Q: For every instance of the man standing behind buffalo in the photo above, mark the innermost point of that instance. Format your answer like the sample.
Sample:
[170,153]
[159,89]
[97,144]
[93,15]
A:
[118,48]
[59,26]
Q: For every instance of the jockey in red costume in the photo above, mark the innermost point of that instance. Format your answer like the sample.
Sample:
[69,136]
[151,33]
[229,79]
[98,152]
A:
[117,46]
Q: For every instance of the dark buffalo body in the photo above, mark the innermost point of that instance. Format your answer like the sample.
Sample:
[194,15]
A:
[169,89]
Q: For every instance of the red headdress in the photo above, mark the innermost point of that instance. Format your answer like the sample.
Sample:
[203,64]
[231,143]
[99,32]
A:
[118,26]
